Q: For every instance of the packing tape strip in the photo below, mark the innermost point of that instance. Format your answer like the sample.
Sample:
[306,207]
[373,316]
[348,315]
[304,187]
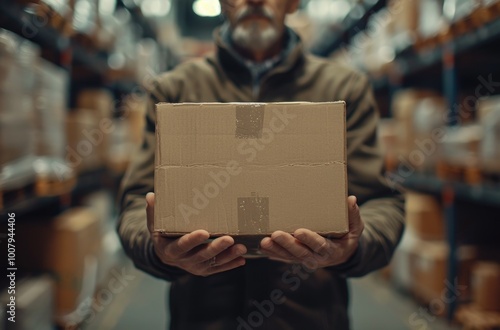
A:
[253,215]
[249,121]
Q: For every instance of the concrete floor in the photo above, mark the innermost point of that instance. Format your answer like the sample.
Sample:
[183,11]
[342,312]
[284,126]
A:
[374,305]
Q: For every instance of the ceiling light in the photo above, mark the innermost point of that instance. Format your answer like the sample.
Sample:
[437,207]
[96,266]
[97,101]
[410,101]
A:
[207,8]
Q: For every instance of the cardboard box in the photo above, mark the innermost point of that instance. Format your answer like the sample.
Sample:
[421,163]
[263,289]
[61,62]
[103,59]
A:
[429,267]
[87,136]
[415,115]
[486,286]
[424,215]
[248,169]
[63,247]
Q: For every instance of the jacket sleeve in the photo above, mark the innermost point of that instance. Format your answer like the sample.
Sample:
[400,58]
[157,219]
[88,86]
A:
[381,208]
[137,182]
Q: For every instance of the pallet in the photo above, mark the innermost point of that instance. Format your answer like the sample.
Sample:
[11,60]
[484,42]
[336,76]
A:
[472,318]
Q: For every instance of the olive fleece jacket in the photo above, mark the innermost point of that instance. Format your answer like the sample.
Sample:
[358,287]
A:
[266,294]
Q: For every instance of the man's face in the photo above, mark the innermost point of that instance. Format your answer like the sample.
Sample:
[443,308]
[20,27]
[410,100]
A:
[256,25]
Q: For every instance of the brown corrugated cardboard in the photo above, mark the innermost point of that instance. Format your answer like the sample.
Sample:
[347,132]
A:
[250,169]
[429,267]
[486,286]
[424,215]
[62,247]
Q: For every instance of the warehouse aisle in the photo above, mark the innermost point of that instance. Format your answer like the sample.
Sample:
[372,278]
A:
[143,304]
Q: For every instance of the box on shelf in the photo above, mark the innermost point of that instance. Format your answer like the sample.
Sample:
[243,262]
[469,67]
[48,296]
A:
[406,18]
[419,116]
[54,176]
[489,120]
[87,135]
[134,114]
[471,317]
[99,100]
[102,103]
[486,286]
[460,154]
[387,129]
[101,202]
[376,47]
[66,247]
[401,275]
[128,133]
[34,304]
[431,23]
[424,215]
[17,83]
[248,169]
[429,266]
[120,146]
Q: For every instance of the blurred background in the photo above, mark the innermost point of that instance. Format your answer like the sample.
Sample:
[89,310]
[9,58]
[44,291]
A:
[72,78]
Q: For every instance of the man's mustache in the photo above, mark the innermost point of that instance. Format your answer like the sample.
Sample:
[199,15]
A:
[254,11]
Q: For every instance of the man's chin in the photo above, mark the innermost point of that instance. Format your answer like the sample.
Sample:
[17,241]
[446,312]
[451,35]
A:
[255,39]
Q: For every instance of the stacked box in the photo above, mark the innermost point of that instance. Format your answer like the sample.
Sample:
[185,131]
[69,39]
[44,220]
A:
[50,115]
[486,286]
[67,247]
[17,81]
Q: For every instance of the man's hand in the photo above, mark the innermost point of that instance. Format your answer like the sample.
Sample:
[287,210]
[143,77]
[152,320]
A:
[191,252]
[307,247]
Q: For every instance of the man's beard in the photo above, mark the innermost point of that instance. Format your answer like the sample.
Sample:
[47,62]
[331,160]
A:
[252,36]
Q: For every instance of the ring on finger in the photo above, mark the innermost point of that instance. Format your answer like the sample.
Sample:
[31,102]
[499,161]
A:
[212,262]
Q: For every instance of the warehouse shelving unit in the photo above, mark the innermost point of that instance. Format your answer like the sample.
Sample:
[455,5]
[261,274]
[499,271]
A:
[350,27]
[419,67]
[86,67]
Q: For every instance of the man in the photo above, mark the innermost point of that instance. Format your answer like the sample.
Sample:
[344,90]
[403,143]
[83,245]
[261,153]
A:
[302,285]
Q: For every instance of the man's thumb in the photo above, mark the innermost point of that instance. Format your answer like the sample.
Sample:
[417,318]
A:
[355,223]
[150,210]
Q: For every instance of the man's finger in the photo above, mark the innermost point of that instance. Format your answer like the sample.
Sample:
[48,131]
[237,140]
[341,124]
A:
[187,242]
[229,255]
[150,210]
[273,249]
[212,249]
[355,223]
[291,244]
[238,262]
[314,241]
